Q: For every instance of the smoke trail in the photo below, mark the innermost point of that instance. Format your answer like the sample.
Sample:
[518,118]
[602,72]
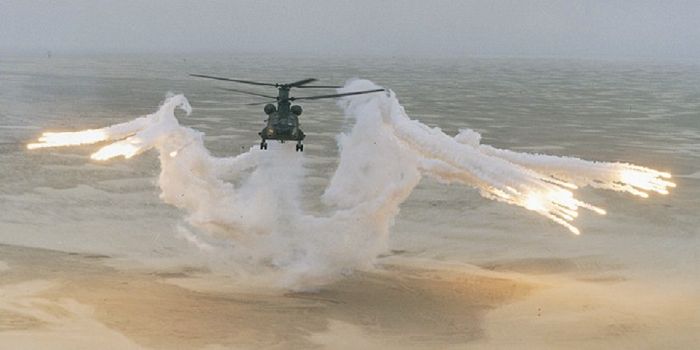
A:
[381,160]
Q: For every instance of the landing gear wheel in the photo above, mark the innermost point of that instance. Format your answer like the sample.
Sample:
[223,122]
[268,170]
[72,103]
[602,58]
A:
[263,145]
[300,147]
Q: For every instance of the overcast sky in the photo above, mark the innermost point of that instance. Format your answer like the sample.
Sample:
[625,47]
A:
[566,28]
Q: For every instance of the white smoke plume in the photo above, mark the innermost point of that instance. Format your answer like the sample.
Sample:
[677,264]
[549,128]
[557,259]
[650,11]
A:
[261,223]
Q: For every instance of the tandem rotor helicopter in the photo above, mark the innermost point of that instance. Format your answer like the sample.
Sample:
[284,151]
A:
[283,120]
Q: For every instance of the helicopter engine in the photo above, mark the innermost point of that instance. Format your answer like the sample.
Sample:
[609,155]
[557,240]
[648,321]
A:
[270,108]
[296,109]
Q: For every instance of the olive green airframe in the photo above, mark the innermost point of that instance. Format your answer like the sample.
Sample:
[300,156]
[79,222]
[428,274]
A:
[283,119]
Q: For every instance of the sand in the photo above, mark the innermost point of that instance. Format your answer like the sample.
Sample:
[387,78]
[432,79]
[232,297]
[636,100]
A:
[58,300]
[62,300]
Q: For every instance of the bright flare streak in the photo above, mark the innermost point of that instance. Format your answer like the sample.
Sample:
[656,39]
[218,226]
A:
[58,139]
[534,202]
[568,213]
[540,183]
[559,205]
[646,180]
[597,210]
[122,148]
[564,198]
[561,183]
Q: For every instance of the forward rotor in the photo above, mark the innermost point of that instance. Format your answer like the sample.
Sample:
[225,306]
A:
[302,84]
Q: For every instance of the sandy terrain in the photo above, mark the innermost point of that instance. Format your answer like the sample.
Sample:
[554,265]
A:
[56,300]
[59,300]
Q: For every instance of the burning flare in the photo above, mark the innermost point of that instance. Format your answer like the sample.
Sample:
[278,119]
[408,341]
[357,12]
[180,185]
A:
[540,183]
[645,179]
[381,160]
[58,139]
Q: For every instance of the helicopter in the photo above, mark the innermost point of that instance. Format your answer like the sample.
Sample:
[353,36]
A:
[283,119]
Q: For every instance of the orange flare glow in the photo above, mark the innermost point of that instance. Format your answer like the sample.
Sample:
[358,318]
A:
[59,139]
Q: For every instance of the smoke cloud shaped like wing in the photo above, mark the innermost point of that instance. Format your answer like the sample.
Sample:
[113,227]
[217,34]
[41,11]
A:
[260,227]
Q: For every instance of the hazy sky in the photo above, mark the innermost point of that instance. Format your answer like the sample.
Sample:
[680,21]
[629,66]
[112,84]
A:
[573,28]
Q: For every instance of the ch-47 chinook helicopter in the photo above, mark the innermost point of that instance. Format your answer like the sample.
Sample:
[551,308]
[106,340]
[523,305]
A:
[283,120]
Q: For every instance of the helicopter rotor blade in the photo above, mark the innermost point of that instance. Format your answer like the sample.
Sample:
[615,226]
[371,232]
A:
[246,92]
[335,95]
[234,80]
[260,103]
[318,87]
[301,82]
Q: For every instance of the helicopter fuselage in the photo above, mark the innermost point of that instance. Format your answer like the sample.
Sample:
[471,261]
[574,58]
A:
[282,122]
[283,119]
[282,128]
